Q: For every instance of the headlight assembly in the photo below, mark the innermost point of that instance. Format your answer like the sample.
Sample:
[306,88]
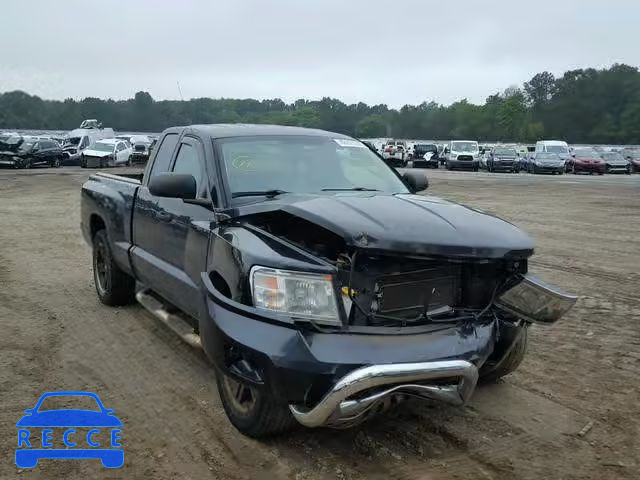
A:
[536,301]
[300,295]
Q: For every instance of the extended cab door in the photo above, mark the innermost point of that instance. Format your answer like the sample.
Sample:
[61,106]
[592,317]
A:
[170,236]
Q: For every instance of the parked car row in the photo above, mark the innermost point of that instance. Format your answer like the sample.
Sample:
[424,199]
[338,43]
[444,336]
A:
[91,145]
[27,152]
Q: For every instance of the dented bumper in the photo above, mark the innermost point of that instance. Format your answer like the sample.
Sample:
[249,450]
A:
[307,368]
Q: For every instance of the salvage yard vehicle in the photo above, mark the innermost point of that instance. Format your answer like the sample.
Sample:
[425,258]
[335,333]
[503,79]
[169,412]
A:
[633,156]
[503,159]
[140,145]
[587,160]
[320,285]
[615,163]
[425,155]
[29,152]
[394,154]
[82,138]
[463,154]
[560,147]
[541,162]
[106,153]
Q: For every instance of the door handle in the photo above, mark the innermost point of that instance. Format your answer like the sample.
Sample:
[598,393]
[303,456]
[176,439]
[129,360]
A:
[164,216]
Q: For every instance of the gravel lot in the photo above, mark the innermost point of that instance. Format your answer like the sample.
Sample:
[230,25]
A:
[571,411]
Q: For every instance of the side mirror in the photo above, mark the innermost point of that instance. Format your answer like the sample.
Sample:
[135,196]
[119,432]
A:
[173,185]
[417,181]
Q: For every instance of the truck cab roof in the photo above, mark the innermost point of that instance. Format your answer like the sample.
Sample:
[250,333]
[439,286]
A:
[222,130]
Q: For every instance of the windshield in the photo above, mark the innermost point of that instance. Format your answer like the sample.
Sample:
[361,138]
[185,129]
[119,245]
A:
[426,148]
[612,156]
[26,146]
[72,141]
[633,153]
[557,149]
[304,164]
[103,147]
[505,151]
[464,146]
[587,152]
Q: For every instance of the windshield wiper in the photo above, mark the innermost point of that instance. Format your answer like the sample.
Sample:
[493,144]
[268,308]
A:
[261,193]
[351,189]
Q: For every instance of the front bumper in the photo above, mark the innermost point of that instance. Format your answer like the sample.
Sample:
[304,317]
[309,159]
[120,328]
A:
[548,168]
[422,163]
[336,378]
[137,157]
[471,164]
[394,161]
[589,167]
[618,168]
[9,162]
[505,166]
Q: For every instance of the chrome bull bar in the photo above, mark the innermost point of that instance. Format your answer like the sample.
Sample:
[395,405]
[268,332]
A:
[337,409]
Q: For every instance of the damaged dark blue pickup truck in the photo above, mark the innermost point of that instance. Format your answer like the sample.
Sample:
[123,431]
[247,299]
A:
[322,288]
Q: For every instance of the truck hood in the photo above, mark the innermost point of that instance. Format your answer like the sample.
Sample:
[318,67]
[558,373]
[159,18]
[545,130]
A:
[96,153]
[403,223]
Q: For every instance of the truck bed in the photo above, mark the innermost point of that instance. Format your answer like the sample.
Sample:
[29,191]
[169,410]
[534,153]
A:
[109,198]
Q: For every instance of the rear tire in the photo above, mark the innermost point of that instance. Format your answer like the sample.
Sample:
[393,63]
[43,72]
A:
[113,286]
[510,363]
[252,411]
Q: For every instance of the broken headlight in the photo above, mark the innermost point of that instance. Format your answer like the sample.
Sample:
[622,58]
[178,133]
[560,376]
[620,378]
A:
[536,301]
[297,294]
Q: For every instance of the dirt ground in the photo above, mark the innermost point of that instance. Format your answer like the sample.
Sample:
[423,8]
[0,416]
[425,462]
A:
[571,411]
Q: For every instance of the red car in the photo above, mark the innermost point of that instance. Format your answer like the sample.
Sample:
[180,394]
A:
[633,156]
[587,160]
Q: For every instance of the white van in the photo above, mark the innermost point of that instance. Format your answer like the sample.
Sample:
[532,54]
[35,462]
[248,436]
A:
[553,146]
[80,139]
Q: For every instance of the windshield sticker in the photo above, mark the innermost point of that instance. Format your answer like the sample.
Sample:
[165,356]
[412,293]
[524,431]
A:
[242,162]
[346,142]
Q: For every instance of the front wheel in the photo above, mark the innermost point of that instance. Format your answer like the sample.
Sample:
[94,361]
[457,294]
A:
[250,409]
[113,286]
[510,362]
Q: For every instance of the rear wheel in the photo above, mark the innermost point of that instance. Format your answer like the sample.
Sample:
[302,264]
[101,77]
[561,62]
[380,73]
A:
[113,286]
[250,409]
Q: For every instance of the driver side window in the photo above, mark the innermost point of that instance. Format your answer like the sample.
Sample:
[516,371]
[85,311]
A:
[188,162]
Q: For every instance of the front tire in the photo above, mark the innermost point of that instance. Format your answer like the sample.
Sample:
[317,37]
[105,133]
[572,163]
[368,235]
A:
[113,286]
[250,409]
[512,360]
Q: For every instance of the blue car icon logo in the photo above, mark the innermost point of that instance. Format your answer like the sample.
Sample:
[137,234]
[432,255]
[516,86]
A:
[84,433]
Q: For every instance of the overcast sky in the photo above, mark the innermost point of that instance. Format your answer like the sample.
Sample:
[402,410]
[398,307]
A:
[393,52]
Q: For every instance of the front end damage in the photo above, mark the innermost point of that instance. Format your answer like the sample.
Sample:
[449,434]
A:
[414,321]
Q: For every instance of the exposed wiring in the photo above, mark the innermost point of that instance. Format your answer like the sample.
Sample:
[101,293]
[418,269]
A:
[469,315]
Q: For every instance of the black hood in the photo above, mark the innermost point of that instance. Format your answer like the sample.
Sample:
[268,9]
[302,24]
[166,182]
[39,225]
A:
[403,223]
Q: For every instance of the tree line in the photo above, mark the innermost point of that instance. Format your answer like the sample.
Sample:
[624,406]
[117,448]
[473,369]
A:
[582,106]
